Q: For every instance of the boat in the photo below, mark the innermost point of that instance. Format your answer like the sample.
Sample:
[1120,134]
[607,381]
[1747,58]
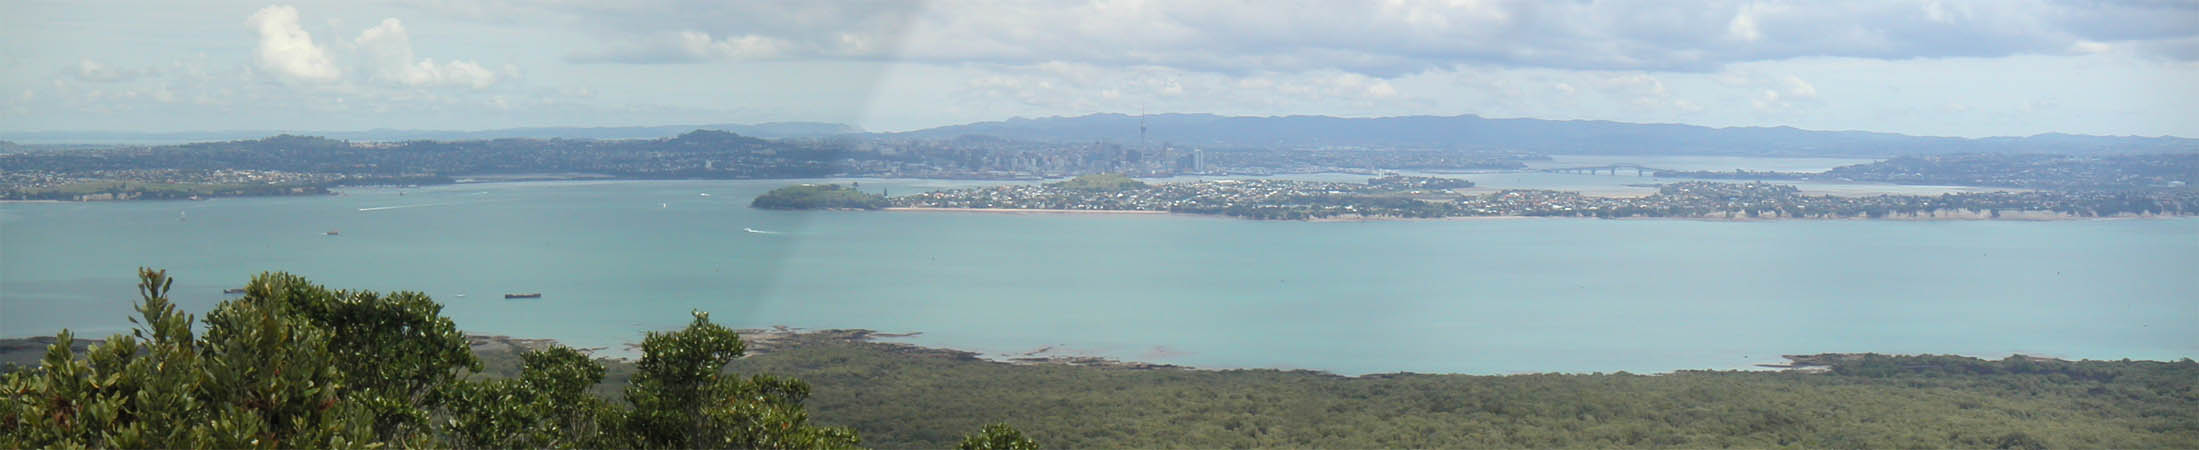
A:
[461,295]
[331,233]
[526,295]
[233,291]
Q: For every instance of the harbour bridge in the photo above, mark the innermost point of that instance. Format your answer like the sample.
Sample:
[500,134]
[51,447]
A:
[1613,169]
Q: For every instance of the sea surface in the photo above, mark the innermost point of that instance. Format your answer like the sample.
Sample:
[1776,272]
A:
[614,259]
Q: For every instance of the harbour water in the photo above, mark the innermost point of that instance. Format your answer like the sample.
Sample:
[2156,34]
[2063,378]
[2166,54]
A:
[614,259]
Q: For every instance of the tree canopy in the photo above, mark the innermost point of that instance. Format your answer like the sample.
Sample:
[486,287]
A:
[818,196]
[296,365]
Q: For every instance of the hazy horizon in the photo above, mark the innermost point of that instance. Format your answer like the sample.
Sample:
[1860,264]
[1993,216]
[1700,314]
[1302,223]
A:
[859,129]
[1962,69]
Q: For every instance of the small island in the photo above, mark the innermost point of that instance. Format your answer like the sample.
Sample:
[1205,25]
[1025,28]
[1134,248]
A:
[1102,182]
[818,196]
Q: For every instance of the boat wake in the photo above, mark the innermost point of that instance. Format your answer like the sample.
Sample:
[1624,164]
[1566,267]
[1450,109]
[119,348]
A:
[424,205]
[421,205]
[753,230]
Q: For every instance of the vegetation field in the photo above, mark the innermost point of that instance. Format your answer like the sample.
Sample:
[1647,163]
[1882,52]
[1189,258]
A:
[899,396]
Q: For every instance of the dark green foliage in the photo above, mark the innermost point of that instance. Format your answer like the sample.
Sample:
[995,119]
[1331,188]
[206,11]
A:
[295,365]
[819,196]
[903,399]
[682,400]
[546,406]
[394,350]
[997,437]
[262,378]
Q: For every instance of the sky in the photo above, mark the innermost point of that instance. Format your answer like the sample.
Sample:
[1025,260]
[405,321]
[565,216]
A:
[1949,68]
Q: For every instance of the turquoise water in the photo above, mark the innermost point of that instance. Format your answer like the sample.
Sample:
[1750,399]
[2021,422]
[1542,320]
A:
[1480,296]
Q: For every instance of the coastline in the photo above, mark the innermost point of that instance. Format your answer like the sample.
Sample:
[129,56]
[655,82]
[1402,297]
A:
[1962,216]
[27,351]
[1024,211]
[1955,215]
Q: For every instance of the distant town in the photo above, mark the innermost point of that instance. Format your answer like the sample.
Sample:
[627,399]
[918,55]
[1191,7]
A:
[295,165]
[1426,197]
[2087,185]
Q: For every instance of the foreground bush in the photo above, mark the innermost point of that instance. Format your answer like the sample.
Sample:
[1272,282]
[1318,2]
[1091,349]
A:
[295,365]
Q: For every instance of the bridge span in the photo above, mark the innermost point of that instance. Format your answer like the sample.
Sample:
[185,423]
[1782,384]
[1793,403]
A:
[1613,169]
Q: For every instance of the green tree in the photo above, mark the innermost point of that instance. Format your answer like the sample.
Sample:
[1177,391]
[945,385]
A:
[262,378]
[395,351]
[547,406]
[997,437]
[295,365]
[681,398]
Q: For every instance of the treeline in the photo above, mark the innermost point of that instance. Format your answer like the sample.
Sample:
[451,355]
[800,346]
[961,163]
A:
[295,365]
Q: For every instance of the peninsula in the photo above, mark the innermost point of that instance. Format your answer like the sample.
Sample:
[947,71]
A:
[1427,197]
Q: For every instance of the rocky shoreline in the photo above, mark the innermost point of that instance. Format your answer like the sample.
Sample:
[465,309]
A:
[782,338]
[25,352]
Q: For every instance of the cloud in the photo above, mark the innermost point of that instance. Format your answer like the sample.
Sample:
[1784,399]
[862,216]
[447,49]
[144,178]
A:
[89,70]
[696,46]
[1061,86]
[389,51]
[287,50]
[1784,94]
[1384,39]
[751,46]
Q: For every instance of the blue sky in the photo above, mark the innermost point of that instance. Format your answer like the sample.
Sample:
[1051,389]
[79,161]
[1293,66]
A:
[1959,68]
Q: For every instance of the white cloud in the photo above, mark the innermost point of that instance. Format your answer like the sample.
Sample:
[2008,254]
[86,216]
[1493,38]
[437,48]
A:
[287,49]
[89,70]
[1743,26]
[699,45]
[2091,47]
[389,50]
[696,46]
[1387,38]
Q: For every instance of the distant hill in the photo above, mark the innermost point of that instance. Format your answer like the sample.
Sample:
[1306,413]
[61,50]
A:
[1534,135]
[774,130]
